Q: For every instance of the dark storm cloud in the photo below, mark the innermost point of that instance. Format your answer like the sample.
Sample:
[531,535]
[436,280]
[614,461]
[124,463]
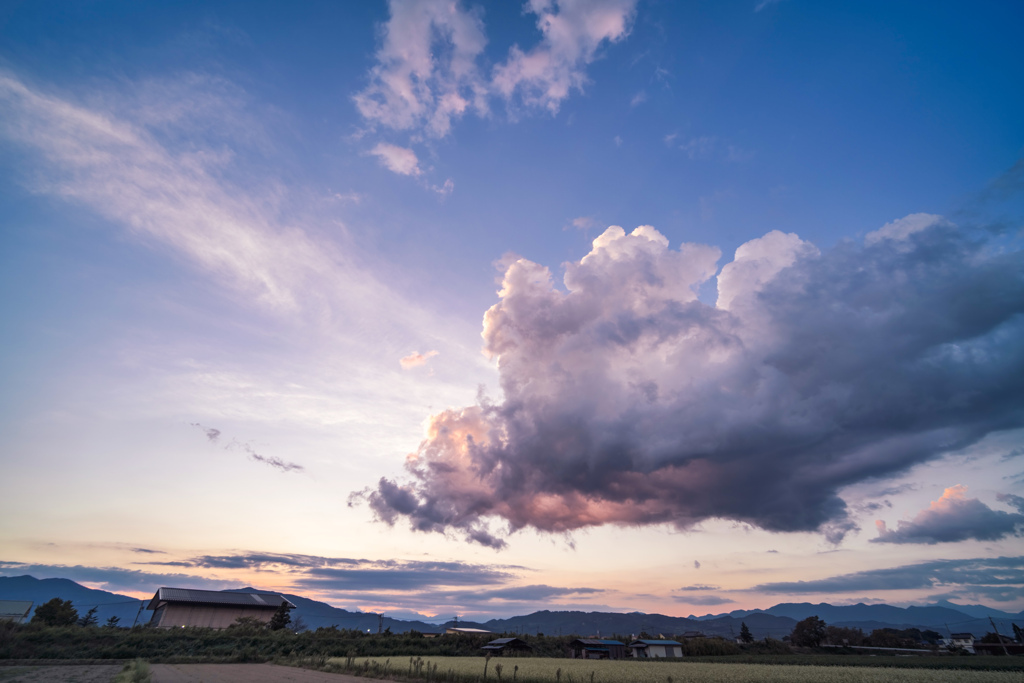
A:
[954,517]
[626,400]
[999,574]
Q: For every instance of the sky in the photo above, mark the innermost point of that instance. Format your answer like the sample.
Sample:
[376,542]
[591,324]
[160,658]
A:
[437,308]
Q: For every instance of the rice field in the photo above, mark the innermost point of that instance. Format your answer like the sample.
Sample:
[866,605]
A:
[547,670]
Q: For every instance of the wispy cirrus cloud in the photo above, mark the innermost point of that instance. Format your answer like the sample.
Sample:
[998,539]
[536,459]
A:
[213,436]
[161,163]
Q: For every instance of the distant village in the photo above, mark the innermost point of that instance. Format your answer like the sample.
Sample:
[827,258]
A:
[174,608]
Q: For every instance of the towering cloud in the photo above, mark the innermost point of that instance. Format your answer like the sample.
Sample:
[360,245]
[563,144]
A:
[627,400]
[954,517]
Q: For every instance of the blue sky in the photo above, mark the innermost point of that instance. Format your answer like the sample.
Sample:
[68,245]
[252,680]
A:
[247,250]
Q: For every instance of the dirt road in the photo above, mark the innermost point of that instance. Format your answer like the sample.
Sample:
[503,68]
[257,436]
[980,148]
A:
[87,673]
[243,673]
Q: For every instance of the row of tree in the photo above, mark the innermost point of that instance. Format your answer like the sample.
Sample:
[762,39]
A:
[814,632]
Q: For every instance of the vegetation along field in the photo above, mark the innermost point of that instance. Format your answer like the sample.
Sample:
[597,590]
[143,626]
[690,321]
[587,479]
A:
[546,670]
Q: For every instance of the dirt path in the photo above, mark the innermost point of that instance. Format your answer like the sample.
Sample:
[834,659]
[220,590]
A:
[86,673]
[243,673]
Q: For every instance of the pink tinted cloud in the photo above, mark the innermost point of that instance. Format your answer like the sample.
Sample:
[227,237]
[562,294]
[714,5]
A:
[953,517]
[416,359]
[400,160]
[627,400]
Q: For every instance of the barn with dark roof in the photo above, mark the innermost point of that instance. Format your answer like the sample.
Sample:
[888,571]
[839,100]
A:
[179,607]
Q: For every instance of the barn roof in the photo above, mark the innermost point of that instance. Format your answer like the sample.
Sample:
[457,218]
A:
[14,609]
[597,641]
[201,597]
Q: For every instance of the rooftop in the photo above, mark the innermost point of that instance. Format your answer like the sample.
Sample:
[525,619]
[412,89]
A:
[201,597]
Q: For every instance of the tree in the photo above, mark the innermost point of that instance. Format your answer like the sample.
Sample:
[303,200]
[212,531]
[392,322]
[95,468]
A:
[89,619]
[809,632]
[56,612]
[281,618]
[745,634]
[840,635]
[112,622]
[1018,634]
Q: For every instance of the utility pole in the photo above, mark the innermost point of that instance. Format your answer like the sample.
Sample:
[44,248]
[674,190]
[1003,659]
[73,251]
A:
[380,623]
[141,604]
[999,637]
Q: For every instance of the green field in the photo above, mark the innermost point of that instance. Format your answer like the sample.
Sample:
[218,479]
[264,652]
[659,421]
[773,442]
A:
[546,670]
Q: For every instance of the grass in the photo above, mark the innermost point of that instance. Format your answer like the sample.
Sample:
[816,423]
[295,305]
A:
[136,671]
[546,670]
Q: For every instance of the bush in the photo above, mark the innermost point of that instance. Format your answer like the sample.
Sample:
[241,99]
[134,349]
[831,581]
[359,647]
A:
[134,672]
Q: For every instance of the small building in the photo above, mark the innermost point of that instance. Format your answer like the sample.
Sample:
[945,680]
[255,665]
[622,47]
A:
[15,610]
[690,635]
[961,641]
[597,648]
[459,631]
[655,649]
[507,646]
[180,607]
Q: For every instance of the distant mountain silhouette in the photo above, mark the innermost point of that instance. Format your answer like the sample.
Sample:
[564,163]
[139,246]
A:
[776,622]
[319,614]
[124,607]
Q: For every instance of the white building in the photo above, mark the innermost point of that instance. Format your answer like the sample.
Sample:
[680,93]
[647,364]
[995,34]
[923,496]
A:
[656,648]
[963,641]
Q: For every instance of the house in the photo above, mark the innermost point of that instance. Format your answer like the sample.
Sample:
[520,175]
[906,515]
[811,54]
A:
[1005,646]
[15,610]
[503,646]
[654,649]
[690,635]
[459,631]
[180,607]
[597,648]
[963,641]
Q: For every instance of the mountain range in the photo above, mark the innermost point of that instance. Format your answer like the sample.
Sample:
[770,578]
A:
[777,621]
